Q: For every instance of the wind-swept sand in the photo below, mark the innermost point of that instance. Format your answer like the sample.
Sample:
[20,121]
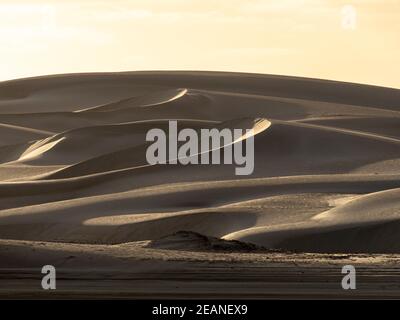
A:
[74,178]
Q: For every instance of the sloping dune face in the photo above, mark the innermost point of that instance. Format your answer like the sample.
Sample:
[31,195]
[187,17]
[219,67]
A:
[326,176]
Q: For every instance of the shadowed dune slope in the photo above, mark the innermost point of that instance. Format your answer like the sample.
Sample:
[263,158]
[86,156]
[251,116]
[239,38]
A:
[367,223]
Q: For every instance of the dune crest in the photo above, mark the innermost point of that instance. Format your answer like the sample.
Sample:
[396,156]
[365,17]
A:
[147,100]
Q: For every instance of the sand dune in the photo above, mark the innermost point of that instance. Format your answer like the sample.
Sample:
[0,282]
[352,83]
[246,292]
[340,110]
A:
[326,175]
[366,223]
[151,99]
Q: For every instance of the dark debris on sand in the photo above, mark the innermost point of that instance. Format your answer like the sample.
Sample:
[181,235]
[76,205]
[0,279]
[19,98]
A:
[189,240]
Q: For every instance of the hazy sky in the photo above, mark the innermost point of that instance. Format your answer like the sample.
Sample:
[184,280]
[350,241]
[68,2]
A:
[355,40]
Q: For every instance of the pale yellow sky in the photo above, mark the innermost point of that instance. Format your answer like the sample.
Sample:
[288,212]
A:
[354,40]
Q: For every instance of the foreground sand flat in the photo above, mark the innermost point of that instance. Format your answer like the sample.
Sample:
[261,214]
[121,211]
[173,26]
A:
[135,271]
[77,191]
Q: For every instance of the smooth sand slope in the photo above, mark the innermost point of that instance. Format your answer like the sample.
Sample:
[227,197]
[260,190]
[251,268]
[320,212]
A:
[73,168]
